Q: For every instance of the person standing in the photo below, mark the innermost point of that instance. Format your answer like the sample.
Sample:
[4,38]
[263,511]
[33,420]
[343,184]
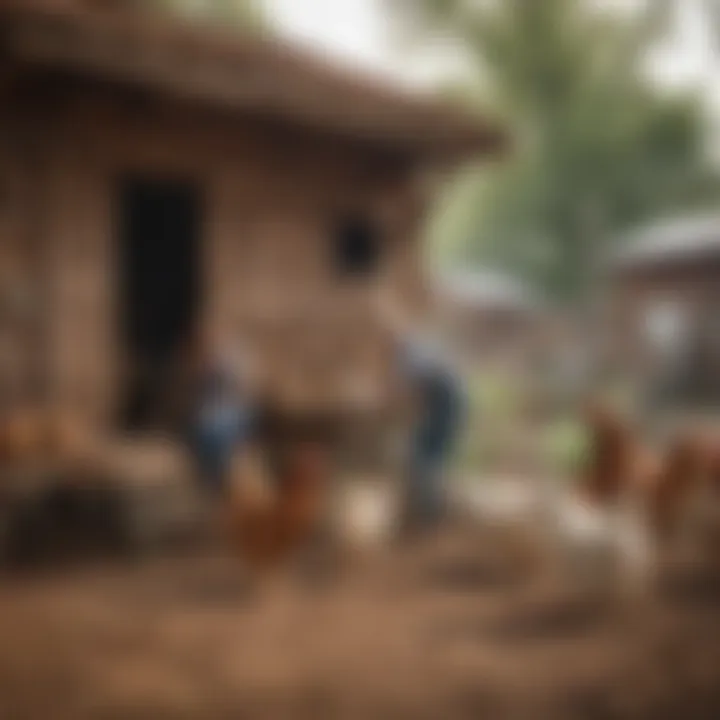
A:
[221,414]
[439,399]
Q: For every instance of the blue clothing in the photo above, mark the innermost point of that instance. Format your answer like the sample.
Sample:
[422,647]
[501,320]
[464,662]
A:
[442,409]
[443,405]
[216,437]
[217,386]
[222,422]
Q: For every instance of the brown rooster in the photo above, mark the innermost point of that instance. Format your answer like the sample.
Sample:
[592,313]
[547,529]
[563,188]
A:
[270,518]
[633,501]
[620,466]
[618,462]
[684,473]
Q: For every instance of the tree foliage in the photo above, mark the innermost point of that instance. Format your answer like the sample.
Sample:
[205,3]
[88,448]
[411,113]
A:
[597,146]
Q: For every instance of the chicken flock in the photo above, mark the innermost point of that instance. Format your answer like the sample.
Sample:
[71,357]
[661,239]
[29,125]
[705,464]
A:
[635,501]
[268,515]
[661,483]
[639,504]
[51,436]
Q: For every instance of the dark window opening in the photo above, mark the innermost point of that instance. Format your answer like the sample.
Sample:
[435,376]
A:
[356,247]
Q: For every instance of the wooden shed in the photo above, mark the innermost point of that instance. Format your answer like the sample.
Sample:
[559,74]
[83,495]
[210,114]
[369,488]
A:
[156,175]
[665,303]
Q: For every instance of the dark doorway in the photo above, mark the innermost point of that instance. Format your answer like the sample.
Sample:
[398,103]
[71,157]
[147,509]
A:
[159,288]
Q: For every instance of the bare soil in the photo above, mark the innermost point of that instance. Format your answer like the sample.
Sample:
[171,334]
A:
[456,627]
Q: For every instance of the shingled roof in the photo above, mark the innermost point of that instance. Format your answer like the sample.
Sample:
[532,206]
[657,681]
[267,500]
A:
[235,70]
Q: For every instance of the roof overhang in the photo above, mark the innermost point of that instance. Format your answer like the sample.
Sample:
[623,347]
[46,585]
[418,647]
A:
[236,71]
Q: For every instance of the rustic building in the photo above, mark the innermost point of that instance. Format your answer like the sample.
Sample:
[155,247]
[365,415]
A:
[155,175]
[665,303]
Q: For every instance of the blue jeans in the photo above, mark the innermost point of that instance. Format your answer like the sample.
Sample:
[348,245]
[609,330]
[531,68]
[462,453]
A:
[426,496]
[431,449]
[216,436]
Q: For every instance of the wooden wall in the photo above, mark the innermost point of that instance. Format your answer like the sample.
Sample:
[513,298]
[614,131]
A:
[694,286]
[24,163]
[270,195]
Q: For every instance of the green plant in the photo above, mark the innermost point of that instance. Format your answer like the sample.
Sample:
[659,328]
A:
[565,446]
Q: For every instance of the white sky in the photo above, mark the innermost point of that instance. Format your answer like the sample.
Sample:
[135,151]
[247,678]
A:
[354,31]
[351,29]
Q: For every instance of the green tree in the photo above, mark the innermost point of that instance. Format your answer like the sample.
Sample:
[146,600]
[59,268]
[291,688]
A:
[597,146]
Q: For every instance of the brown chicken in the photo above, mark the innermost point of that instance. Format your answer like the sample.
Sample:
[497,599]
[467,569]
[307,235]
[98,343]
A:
[617,460]
[691,467]
[271,518]
[47,434]
[21,437]
[684,472]
[662,484]
[624,472]
[621,464]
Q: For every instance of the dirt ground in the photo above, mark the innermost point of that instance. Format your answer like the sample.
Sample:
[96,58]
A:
[454,628]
